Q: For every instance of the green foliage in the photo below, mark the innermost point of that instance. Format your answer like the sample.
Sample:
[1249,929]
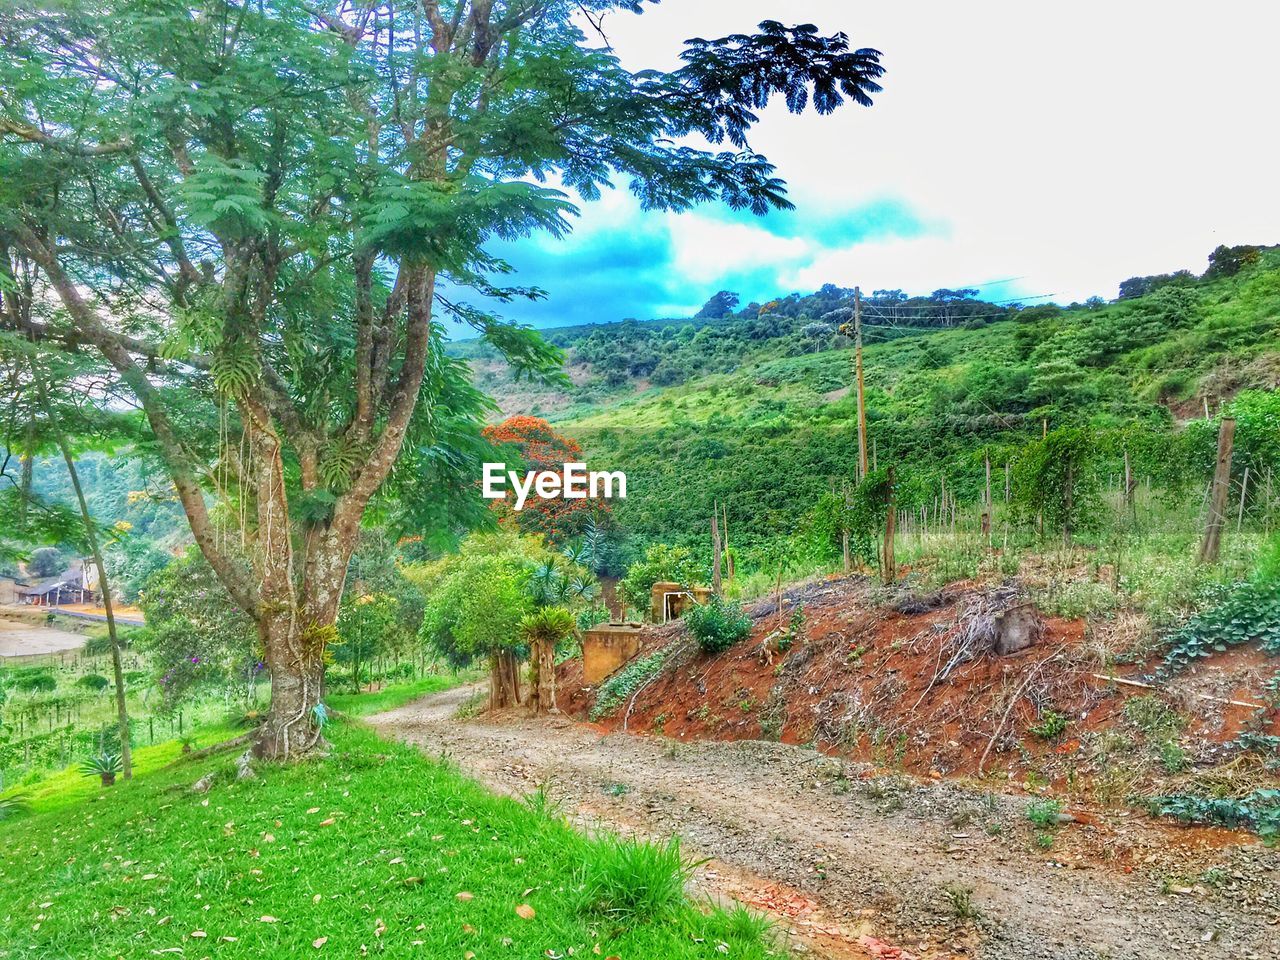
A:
[34,680]
[1051,725]
[635,881]
[661,563]
[105,765]
[1055,479]
[1259,811]
[1245,612]
[93,681]
[1044,813]
[717,624]
[367,626]
[548,625]
[623,684]
[195,634]
[480,595]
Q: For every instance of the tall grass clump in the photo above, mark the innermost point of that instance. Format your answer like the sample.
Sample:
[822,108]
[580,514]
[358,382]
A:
[634,881]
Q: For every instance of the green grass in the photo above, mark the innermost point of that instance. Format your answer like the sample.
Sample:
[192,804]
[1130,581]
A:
[396,694]
[69,786]
[369,848]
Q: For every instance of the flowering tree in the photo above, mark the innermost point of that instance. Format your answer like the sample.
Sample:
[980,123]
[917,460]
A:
[541,448]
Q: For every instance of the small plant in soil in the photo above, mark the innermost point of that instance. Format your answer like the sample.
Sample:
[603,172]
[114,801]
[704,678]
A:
[1044,840]
[1044,813]
[718,625]
[1052,725]
[105,766]
[961,901]
[1172,757]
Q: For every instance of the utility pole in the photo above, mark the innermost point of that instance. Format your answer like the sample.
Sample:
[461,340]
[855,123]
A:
[857,364]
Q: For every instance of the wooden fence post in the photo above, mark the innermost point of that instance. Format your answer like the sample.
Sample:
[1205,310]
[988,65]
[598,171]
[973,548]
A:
[889,569]
[1221,487]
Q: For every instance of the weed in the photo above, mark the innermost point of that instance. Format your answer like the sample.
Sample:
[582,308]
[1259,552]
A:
[1044,840]
[1172,757]
[634,882]
[1153,717]
[1044,813]
[625,682]
[961,900]
[1052,725]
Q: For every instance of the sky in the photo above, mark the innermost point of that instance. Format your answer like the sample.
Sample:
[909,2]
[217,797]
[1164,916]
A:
[1028,149]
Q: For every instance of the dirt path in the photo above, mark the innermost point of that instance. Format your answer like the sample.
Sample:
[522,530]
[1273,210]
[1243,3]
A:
[852,861]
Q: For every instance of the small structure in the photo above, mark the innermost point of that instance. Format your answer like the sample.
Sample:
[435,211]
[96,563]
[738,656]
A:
[74,585]
[9,587]
[606,647]
[668,601]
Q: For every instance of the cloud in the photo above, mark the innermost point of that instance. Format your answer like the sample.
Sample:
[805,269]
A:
[623,262]
[1014,142]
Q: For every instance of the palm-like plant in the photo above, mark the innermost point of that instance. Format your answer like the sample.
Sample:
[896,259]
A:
[543,630]
[105,765]
[12,804]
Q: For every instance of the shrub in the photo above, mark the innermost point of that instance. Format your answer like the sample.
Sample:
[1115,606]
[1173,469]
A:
[718,625]
[634,882]
[661,562]
[36,682]
[93,681]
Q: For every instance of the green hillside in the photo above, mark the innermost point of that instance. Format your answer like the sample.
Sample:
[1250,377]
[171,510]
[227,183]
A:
[771,432]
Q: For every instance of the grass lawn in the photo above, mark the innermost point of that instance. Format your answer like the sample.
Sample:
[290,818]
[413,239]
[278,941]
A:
[395,695]
[375,849]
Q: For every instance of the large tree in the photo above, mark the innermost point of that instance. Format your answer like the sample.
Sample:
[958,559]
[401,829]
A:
[255,211]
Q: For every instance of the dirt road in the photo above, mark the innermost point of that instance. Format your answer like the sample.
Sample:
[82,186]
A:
[851,860]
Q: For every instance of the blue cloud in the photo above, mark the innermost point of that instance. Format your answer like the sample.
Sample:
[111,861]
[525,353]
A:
[628,267]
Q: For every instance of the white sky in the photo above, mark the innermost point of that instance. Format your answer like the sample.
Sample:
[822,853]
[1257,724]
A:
[1071,145]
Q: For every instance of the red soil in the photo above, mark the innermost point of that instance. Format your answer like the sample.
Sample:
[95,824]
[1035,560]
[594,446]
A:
[865,682]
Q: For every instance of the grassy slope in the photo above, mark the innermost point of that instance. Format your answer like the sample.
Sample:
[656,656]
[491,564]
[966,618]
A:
[369,849]
[768,437]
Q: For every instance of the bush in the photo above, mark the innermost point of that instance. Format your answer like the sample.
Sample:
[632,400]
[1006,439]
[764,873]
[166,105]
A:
[93,681]
[661,562]
[718,625]
[35,682]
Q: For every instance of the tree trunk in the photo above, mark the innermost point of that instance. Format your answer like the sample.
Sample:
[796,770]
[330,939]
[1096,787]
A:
[543,693]
[504,680]
[104,586]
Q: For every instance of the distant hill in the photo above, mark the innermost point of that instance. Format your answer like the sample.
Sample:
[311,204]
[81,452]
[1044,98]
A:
[759,412]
